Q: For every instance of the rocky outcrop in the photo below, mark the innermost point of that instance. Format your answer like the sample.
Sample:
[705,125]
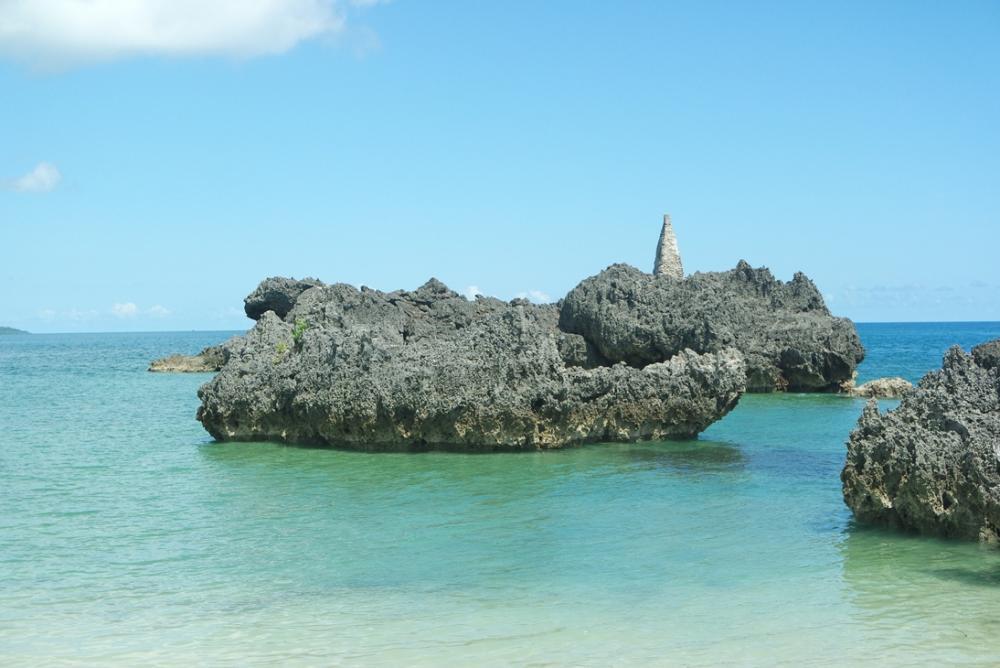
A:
[365,369]
[276,294]
[987,355]
[784,330]
[210,359]
[933,464]
[880,388]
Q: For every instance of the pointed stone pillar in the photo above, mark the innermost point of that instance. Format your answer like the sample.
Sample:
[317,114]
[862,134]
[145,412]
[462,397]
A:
[668,258]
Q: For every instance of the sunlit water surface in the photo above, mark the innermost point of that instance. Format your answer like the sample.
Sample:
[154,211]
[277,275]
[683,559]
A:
[128,537]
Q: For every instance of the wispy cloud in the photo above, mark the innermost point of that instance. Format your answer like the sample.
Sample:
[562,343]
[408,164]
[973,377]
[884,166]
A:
[58,33]
[43,178]
[536,296]
[126,310]
[471,292]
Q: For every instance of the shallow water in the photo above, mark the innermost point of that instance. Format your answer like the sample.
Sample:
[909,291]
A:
[128,537]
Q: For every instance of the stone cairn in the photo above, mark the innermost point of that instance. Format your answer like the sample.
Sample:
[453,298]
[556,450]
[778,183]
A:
[668,258]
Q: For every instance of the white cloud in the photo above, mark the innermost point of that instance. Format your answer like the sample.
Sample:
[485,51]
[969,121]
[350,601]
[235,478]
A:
[471,292]
[68,32]
[536,296]
[126,310]
[158,311]
[43,178]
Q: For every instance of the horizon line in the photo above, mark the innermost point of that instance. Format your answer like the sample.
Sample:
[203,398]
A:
[209,331]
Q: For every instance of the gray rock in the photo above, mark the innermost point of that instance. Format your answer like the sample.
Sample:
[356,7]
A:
[668,257]
[784,330]
[987,355]
[933,464]
[276,294]
[429,369]
[880,388]
[210,359]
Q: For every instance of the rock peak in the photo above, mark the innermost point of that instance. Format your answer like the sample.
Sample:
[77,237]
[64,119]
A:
[668,257]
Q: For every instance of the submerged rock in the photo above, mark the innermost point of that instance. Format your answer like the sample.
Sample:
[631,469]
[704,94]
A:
[429,369]
[784,330]
[933,464]
[880,388]
[208,360]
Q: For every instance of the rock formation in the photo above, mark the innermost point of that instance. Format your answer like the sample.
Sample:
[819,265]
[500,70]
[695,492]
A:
[784,330]
[933,464]
[626,356]
[276,294]
[668,257]
[987,355]
[429,369]
[880,388]
[208,360]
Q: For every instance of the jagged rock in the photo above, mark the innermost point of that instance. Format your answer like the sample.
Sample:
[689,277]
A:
[429,369]
[276,294]
[932,464]
[987,355]
[880,388]
[784,330]
[208,360]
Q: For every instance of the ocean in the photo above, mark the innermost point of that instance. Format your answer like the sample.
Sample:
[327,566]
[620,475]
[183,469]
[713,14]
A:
[128,537]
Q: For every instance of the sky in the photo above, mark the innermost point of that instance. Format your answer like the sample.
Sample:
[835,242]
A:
[158,158]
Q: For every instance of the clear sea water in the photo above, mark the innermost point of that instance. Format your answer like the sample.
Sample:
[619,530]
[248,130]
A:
[127,537]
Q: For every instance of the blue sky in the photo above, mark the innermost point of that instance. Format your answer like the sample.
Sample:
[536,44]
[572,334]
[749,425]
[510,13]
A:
[156,165]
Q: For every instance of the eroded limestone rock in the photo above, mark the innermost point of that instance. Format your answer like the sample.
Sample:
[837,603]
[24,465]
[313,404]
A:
[784,330]
[429,369]
[933,464]
[880,388]
[276,294]
[210,359]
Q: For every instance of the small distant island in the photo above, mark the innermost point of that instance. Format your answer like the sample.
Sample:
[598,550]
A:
[5,331]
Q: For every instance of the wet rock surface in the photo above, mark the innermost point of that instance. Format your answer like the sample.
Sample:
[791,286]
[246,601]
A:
[210,359]
[933,464]
[788,337]
[880,388]
[360,368]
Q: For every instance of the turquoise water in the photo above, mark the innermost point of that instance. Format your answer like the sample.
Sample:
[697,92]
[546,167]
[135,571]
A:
[127,537]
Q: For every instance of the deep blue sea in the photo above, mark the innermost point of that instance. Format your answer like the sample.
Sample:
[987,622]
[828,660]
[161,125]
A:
[127,537]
